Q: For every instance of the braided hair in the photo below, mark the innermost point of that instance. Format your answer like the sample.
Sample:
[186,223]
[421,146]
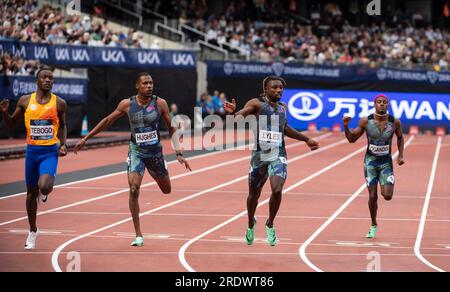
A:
[266,81]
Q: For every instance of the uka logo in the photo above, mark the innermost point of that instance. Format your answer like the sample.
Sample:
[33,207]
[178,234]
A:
[113,56]
[64,54]
[183,59]
[148,58]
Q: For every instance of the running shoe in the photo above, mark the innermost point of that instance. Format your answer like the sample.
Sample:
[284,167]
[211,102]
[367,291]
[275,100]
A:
[42,198]
[372,232]
[139,241]
[31,240]
[271,236]
[250,234]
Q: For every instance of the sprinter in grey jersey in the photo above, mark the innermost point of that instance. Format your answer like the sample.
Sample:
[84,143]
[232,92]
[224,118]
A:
[269,158]
[145,112]
[380,128]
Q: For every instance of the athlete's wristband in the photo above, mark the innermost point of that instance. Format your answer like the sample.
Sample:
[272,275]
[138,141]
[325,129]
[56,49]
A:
[179,154]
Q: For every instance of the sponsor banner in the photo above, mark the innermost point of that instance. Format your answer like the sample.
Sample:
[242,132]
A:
[327,107]
[326,73]
[99,56]
[70,89]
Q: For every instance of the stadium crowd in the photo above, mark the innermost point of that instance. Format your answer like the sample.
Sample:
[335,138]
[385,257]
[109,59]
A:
[22,20]
[331,37]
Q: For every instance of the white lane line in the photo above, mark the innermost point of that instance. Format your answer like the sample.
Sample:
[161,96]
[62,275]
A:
[182,251]
[113,174]
[170,162]
[56,253]
[302,250]
[204,169]
[423,217]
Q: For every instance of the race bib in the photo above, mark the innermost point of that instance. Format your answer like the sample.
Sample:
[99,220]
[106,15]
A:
[147,138]
[41,129]
[379,150]
[270,138]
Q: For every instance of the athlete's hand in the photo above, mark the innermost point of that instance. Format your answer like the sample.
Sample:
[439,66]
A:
[400,161]
[230,107]
[184,162]
[63,150]
[346,120]
[312,144]
[4,105]
[79,145]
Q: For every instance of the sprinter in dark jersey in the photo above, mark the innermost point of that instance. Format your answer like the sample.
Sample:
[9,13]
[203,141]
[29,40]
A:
[380,128]
[269,158]
[145,111]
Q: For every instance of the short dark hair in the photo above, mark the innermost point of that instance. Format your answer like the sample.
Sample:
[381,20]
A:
[142,74]
[44,68]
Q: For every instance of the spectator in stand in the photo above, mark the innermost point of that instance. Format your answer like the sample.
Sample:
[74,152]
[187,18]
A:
[17,66]
[221,105]
[259,29]
[21,20]
[173,110]
[215,101]
[209,106]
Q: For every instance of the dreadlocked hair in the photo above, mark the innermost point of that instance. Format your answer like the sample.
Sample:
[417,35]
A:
[266,80]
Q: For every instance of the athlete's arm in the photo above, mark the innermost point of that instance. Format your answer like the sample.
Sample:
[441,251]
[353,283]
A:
[353,135]
[294,134]
[119,112]
[164,110]
[13,120]
[252,107]
[400,141]
[61,106]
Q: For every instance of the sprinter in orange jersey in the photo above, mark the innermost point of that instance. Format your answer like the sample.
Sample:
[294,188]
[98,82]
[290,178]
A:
[45,121]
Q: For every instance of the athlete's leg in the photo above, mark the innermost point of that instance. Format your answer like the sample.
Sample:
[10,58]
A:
[373,203]
[252,202]
[136,170]
[371,174]
[47,172]
[32,195]
[387,180]
[46,182]
[387,191]
[278,175]
[164,184]
[157,167]
[31,204]
[276,184]
[134,181]
[31,179]
[256,180]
